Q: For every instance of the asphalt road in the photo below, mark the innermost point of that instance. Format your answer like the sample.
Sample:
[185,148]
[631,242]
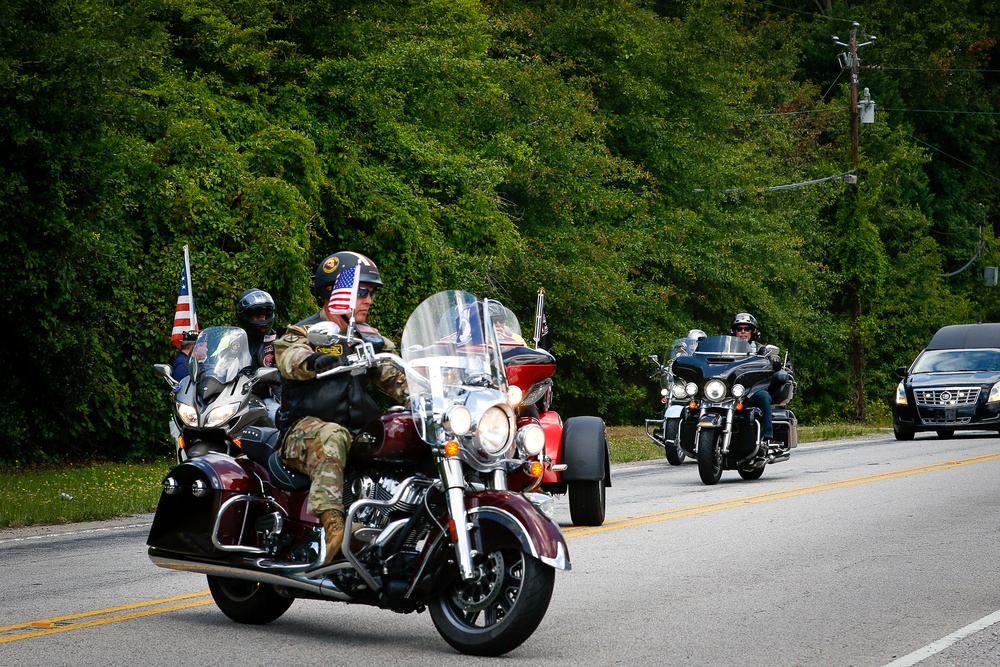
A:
[860,552]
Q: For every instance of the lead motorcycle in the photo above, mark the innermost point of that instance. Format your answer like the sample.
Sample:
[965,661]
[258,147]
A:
[218,398]
[716,427]
[426,482]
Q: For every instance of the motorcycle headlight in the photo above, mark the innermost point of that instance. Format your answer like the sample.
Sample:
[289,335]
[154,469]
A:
[664,391]
[531,439]
[690,389]
[739,390]
[715,390]
[901,393]
[494,431]
[514,395]
[994,394]
[458,420]
[679,390]
[188,414]
[221,415]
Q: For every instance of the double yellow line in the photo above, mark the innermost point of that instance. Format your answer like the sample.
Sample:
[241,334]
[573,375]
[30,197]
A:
[50,626]
[731,503]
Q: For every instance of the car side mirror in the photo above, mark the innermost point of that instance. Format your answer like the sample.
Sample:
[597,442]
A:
[901,372]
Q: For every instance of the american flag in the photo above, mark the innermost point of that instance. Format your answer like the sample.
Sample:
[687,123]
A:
[185,316]
[344,296]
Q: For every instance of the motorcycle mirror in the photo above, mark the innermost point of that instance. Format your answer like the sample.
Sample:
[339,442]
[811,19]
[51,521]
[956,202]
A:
[163,370]
[267,374]
[655,359]
[324,334]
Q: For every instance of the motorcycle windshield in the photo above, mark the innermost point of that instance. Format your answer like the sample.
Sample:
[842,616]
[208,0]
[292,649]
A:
[729,345]
[507,327]
[450,344]
[220,353]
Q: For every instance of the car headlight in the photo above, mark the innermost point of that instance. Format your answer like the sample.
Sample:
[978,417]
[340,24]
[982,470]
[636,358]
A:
[531,439]
[458,420]
[690,389]
[739,390]
[901,393]
[188,414]
[715,390]
[221,415]
[994,394]
[494,431]
[678,390]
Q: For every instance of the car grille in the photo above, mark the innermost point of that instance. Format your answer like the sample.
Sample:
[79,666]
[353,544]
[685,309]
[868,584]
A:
[948,396]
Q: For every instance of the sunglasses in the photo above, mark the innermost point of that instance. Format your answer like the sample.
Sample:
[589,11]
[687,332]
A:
[743,329]
[364,292]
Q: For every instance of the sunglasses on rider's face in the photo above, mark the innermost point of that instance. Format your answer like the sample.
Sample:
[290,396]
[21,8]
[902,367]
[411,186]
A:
[364,292]
[743,328]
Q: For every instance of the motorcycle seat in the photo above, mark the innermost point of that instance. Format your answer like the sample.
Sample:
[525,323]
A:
[284,477]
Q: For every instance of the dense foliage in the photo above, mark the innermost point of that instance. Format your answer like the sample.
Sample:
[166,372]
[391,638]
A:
[624,155]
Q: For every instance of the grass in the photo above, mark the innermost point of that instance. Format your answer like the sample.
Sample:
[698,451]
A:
[56,495]
[37,496]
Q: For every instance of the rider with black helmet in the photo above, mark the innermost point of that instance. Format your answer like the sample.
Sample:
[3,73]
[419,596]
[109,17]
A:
[318,418]
[745,326]
[255,315]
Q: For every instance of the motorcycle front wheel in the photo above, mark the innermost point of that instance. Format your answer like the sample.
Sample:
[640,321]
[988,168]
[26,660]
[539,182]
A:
[499,609]
[675,455]
[248,601]
[710,456]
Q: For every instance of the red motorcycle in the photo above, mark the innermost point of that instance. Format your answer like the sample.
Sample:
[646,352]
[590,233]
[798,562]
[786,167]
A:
[438,529]
[576,460]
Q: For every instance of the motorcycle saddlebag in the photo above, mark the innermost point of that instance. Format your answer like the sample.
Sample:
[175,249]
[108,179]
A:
[785,427]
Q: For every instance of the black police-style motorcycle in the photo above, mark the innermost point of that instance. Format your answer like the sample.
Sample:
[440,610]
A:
[717,427]
[424,485]
[216,401]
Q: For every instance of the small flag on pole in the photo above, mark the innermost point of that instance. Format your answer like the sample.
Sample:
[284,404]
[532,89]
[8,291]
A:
[344,296]
[185,316]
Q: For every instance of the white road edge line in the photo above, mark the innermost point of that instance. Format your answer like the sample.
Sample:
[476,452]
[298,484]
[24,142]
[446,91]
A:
[74,532]
[936,647]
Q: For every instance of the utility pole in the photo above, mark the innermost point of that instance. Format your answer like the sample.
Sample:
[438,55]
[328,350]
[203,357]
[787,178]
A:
[850,60]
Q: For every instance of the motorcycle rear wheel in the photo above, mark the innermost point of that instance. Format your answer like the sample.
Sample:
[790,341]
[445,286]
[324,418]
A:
[675,455]
[710,456]
[751,473]
[496,612]
[247,602]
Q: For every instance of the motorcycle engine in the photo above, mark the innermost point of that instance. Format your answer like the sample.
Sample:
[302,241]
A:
[382,488]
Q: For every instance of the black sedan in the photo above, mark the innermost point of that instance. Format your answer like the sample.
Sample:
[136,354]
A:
[950,386]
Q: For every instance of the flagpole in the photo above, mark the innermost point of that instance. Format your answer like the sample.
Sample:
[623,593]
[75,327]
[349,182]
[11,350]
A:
[190,281]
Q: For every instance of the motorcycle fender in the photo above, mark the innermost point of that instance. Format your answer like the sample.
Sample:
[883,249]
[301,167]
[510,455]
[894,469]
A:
[507,519]
[674,411]
[710,420]
[184,523]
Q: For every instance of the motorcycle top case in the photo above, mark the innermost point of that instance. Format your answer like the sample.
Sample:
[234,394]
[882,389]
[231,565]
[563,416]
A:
[184,521]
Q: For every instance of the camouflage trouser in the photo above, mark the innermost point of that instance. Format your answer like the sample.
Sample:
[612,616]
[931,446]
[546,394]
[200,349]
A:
[319,449]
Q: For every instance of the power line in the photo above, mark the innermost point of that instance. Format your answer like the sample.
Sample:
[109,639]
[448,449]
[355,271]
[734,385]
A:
[789,186]
[932,147]
[799,11]
[929,69]
[970,113]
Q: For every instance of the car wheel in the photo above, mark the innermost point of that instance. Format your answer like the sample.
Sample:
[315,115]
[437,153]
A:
[901,433]
[946,433]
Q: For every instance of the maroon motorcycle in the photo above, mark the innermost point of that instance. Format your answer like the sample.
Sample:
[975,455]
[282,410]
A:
[427,484]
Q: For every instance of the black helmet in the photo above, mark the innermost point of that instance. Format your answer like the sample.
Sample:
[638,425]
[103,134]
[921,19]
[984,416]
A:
[747,319]
[255,311]
[331,267]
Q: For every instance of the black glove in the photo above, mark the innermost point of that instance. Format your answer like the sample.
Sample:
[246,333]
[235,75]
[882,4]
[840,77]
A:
[321,362]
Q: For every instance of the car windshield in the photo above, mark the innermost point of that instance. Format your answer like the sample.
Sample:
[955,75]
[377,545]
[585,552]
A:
[956,361]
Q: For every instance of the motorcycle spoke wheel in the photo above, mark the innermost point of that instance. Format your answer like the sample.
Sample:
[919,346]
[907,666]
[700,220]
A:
[499,609]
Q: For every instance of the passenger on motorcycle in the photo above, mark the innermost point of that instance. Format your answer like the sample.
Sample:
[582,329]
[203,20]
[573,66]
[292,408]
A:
[745,326]
[179,366]
[255,315]
[318,418]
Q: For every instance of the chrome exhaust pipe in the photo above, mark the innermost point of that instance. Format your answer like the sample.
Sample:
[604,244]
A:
[324,586]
